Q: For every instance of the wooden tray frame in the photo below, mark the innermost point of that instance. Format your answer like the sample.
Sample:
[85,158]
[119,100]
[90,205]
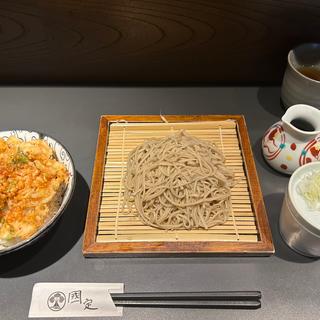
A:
[91,248]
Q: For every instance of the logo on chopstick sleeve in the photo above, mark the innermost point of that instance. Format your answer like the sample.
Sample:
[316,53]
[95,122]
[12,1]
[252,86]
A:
[56,301]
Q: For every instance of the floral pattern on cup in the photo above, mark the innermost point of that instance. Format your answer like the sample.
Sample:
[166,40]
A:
[273,141]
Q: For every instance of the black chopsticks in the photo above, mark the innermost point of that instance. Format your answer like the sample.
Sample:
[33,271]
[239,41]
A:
[197,304]
[206,300]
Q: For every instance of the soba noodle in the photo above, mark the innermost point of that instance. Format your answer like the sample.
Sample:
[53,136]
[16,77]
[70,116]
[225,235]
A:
[178,182]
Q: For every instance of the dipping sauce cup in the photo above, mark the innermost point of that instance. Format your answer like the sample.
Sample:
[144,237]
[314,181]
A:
[299,225]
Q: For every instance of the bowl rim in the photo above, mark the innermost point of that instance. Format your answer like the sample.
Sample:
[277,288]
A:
[55,217]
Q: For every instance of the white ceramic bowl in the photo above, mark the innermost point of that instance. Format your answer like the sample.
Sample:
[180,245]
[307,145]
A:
[64,157]
[299,226]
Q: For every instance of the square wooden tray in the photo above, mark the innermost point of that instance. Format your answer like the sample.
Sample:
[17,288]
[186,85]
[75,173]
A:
[111,231]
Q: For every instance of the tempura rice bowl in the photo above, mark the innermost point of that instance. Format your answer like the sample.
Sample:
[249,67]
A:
[63,156]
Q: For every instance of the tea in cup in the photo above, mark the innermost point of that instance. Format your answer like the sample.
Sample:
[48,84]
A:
[301,82]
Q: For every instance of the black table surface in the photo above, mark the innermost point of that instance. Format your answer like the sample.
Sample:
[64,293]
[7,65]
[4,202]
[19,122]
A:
[290,283]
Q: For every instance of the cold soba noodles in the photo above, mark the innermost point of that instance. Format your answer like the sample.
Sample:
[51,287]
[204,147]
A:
[178,182]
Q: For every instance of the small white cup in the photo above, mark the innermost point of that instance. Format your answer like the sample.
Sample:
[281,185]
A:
[300,227]
[296,87]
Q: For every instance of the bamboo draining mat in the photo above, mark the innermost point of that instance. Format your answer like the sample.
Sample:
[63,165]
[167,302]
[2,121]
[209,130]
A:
[121,232]
[116,225]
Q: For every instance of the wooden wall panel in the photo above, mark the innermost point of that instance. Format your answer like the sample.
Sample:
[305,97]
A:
[152,41]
